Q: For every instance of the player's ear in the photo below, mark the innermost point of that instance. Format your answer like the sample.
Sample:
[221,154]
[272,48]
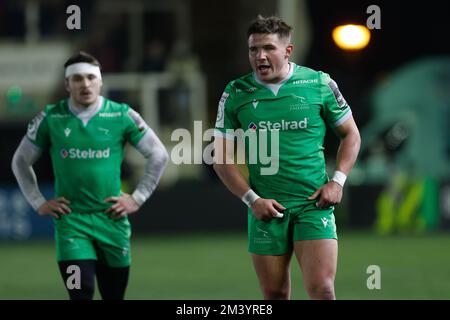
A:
[289,49]
[66,84]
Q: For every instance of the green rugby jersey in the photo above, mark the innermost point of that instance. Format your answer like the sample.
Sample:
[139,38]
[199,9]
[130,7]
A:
[298,109]
[86,158]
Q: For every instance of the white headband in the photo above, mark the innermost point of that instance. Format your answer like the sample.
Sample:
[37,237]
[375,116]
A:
[83,68]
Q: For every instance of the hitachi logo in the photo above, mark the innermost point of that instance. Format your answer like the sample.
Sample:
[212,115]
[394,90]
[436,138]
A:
[306,81]
[75,153]
[110,114]
[283,125]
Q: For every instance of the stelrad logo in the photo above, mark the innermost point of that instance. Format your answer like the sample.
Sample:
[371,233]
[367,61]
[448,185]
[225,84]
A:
[283,125]
[64,153]
[252,126]
[75,153]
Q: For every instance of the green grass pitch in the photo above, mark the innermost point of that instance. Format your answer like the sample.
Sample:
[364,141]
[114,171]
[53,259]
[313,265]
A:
[217,266]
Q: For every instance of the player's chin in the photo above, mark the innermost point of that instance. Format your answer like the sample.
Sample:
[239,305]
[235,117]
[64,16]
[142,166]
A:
[87,99]
[266,72]
[265,75]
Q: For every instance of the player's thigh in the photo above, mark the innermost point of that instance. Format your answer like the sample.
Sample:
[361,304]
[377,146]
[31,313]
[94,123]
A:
[73,238]
[271,244]
[312,223]
[272,271]
[112,240]
[317,259]
[315,242]
[272,237]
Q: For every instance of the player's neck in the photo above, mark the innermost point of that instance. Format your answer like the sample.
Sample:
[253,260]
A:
[286,73]
[77,107]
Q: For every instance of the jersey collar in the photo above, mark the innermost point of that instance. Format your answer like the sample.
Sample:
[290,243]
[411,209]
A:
[86,114]
[275,87]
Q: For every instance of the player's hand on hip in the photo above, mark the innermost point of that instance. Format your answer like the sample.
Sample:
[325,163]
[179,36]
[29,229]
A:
[123,206]
[328,195]
[267,209]
[55,207]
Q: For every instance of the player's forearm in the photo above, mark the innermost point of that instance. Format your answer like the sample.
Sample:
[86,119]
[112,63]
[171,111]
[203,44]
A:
[154,169]
[348,152]
[22,162]
[157,158]
[232,178]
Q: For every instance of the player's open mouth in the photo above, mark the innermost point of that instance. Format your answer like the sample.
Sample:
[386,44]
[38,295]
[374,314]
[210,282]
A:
[263,67]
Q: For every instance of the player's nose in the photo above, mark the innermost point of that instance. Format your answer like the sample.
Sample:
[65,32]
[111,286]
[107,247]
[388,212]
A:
[261,55]
[85,82]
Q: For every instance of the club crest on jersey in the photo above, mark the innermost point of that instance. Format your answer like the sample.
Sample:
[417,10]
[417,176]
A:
[105,131]
[67,132]
[302,99]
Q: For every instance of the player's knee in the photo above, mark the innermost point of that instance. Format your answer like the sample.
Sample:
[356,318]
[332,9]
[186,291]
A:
[322,289]
[276,293]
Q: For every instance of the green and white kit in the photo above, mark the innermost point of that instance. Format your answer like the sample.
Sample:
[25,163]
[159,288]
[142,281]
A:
[299,109]
[87,160]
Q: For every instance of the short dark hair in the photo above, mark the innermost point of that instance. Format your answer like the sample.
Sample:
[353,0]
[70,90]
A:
[82,57]
[271,24]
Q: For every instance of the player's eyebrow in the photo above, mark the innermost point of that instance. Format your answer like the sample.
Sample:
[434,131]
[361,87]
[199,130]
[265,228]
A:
[264,46]
[269,46]
[79,77]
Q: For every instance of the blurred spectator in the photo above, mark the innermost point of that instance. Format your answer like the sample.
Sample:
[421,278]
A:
[155,56]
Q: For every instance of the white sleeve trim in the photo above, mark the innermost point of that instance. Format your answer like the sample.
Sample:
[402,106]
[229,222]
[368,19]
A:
[139,197]
[347,116]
